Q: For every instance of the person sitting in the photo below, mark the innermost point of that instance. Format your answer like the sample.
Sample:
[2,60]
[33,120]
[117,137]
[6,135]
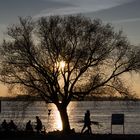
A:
[4,125]
[29,126]
[12,126]
[38,124]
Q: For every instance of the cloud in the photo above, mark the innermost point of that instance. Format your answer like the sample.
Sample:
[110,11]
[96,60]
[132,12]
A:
[10,10]
[126,20]
[80,6]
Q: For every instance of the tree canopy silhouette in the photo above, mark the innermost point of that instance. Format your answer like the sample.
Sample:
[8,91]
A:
[61,58]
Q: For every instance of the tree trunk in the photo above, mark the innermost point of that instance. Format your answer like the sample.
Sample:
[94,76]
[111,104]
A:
[64,118]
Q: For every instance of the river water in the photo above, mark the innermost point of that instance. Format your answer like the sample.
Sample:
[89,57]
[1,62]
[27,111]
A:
[101,111]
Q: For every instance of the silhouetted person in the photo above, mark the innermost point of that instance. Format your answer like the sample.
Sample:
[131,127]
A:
[38,124]
[4,125]
[29,126]
[12,126]
[87,122]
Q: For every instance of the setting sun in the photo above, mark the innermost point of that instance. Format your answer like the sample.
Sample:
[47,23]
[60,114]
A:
[60,65]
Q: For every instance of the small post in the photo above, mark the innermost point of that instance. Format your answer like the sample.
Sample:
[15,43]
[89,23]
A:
[0,106]
[49,113]
[123,129]
[111,128]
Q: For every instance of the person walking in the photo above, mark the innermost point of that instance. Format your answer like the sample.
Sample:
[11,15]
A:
[87,123]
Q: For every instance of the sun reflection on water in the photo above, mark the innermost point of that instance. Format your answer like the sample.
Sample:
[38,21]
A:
[55,120]
[58,121]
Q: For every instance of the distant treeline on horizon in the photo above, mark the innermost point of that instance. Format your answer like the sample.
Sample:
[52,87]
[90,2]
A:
[91,98]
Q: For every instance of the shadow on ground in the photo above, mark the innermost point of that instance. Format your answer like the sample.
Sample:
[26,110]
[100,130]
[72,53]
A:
[61,136]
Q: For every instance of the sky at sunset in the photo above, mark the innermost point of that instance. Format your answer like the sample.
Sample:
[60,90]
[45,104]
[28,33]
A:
[123,14]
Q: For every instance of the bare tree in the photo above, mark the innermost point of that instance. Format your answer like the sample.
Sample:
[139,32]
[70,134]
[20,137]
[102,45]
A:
[61,58]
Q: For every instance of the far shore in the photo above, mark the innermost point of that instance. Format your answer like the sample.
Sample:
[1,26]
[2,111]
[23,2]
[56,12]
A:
[30,98]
